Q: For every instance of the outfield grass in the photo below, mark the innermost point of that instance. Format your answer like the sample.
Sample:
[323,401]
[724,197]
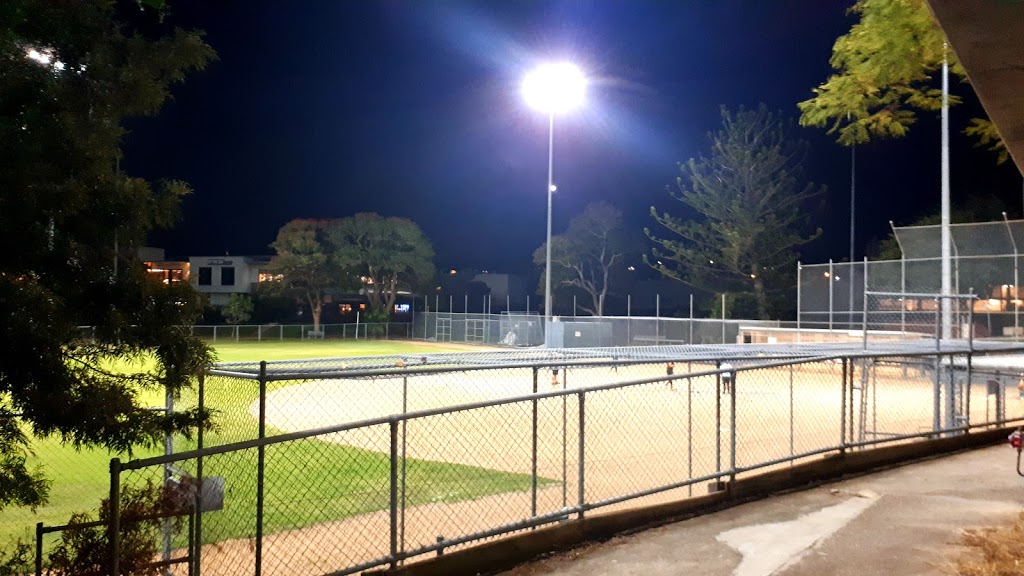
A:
[308,481]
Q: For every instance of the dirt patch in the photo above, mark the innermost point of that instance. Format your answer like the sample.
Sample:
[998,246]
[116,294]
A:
[634,439]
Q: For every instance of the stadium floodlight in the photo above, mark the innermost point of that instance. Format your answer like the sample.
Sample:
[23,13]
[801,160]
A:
[554,88]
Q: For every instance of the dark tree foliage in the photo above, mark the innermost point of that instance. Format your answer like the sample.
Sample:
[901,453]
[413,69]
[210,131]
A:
[71,73]
[884,75]
[306,265]
[387,255]
[588,256]
[749,199]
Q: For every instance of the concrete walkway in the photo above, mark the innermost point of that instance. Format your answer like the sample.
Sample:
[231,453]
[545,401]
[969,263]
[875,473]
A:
[898,522]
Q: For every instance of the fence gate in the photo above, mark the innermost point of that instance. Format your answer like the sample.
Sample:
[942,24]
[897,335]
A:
[476,330]
[443,330]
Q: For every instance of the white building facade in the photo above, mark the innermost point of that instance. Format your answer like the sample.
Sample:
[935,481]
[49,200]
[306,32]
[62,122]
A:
[222,276]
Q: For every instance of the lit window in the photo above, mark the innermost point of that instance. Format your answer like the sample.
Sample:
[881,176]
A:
[343,308]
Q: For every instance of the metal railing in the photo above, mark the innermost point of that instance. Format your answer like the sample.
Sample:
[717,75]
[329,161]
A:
[261,332]
[411,474]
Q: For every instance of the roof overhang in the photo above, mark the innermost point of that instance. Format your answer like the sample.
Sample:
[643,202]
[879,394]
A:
[988,38]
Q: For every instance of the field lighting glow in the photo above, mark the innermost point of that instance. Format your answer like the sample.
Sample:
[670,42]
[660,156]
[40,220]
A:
[555,88]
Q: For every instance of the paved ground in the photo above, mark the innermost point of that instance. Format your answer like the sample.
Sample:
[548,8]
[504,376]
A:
[903,521]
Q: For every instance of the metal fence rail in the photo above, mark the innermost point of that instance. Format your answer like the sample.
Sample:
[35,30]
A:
[347,471]
[262,332]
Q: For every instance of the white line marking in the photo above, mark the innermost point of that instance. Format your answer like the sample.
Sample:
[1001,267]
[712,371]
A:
[768,548]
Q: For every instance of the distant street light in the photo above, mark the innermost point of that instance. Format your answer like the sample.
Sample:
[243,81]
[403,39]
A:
[553,88]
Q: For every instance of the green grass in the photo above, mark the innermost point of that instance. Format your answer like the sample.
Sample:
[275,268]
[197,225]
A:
[309,481]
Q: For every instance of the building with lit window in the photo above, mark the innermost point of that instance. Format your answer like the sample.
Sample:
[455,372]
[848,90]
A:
[221,276]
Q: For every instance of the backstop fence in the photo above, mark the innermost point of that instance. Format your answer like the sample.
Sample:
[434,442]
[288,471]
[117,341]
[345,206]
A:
[521,329]
[986,261]
[339,466]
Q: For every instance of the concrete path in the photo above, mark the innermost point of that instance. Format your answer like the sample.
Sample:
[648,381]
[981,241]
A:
[903,521]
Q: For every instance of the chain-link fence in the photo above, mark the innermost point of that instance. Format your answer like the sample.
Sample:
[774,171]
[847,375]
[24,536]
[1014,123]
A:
[341,469]
[270,332]
[986,261]
[579,331]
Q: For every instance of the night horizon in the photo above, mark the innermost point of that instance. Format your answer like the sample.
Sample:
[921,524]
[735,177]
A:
[296,121]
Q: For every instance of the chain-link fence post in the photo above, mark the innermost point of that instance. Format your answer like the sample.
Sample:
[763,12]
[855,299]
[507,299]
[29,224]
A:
[718,417]
[732,426]
[937,396]
[39,549]
[582,453]
[792,415]
[690,339]
[261,467]
[196,557]
[533,451]
[950,393]
[393,494]
[565,443]
[799,296]
[723,318]
[831,291]
[115,517]
[657,319]
[689,431]
[168,450]
[842,414]
[405,410]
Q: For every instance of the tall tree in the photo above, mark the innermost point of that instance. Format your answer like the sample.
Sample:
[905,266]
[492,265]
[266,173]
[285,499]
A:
[586,255]
[749,196]
[884,77]
[305,260]
[386,254]
[71,73]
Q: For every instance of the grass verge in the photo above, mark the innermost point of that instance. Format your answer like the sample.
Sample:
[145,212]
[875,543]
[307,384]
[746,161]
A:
[348,480]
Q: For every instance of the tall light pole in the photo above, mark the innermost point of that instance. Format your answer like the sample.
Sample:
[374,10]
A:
[947,271]
[553,89]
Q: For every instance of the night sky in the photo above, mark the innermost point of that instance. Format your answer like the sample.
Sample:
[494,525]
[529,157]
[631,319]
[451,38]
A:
[328,108]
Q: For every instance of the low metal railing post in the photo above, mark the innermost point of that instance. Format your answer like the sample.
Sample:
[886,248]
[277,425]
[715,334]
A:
[732,427]
[261,468]
[565,444]
[393,494]
[191,540]
[405,409]
[689,434]
[114,537]
[792,415]
[967,400]
[39,549]
[533,451]
[718,417]
[582,455]
[842,411]
[196,560]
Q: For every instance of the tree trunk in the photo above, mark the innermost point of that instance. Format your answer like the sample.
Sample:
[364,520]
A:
[316,309]
[392,295]
[759,294]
